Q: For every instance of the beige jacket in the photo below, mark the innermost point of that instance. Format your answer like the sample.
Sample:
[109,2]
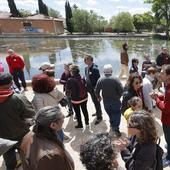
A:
[41,100]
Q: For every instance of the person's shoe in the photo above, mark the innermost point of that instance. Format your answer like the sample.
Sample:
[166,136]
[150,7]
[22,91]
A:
[69,114]
[166,162]
[79,126]
[94,114]
[98,121]
[87,124]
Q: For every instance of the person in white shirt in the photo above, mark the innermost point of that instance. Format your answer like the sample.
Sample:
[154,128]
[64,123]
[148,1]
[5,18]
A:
[148,88]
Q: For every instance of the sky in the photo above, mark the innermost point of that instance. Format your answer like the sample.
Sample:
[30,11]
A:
[105,8]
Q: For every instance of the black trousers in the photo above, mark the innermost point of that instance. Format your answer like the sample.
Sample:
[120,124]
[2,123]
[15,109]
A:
[19,75]
[83,107]
[96,104]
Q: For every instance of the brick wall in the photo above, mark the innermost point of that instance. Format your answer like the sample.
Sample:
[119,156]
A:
[44,26]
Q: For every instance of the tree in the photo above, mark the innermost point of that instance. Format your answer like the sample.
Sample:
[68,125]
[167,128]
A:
[143,21]
[68,12]
[123,22]
[138,22]
[42,8]
[161,8]
[53,13]
[13,9]
[24,13]
[148,21]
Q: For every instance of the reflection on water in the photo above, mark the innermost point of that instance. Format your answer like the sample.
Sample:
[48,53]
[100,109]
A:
[60,51]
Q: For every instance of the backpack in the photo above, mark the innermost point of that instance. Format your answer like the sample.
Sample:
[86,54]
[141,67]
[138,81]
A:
[82,88]
[159,154]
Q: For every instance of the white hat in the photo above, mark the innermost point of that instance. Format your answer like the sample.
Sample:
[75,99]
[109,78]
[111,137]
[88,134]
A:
[107,69]
[46,66]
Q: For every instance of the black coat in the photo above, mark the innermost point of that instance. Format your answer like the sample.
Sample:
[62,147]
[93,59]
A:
[140,157]
[160,61]
[92,74]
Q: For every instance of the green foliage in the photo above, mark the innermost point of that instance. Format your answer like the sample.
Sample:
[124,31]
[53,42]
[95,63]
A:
[123,22]
[87,22]
[42,8]
[143,21]
[25,13]
[53,13]
[13,9]
[68,12]
[161,8]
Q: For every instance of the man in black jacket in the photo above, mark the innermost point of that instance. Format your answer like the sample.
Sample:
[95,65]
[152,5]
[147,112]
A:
[163,57]
[92,75]
[15,109]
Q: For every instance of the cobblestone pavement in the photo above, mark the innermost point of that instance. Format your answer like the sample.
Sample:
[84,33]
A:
[78,136]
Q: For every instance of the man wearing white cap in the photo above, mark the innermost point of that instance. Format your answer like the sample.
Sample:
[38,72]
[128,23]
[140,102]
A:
[112,90]
[16,66]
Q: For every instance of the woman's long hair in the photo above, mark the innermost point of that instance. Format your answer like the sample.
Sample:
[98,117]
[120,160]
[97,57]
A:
[144,122]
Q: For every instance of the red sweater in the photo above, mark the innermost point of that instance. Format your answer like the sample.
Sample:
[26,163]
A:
[15,62]
[163,103]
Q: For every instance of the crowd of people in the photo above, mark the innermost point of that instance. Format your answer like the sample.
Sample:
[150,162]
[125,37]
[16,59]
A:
[35,130]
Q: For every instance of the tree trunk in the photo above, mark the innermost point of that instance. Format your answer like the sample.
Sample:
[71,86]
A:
[167,29]
[13,9]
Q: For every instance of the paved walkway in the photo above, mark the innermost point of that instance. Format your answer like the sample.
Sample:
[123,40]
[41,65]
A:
[79,136]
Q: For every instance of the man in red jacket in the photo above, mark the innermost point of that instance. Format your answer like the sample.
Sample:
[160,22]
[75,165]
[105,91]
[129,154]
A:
[16,65]
[163,103]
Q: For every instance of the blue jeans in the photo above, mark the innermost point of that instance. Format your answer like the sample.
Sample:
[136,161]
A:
[166,130]
[113,110]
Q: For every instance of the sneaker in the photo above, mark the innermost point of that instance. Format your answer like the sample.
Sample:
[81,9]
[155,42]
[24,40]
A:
[98,121]
[166,162]
[94,114]
[79,126]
